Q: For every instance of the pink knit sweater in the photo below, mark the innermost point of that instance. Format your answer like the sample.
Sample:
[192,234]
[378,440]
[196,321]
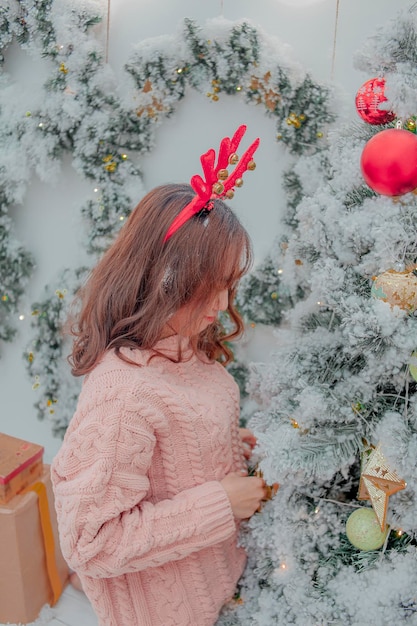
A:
[142,515]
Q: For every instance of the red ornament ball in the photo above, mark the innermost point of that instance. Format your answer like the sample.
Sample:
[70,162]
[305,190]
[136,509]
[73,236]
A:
[389,162]
[368,99]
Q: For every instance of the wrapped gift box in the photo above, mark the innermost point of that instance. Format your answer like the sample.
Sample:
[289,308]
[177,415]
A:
[21,463]
[32,569]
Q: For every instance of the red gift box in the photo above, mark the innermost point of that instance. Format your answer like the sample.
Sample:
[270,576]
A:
[21,463]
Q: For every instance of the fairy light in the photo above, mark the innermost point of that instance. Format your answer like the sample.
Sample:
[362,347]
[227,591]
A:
[37,383]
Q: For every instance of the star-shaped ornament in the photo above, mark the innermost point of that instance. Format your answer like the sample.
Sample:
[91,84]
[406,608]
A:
[378,481]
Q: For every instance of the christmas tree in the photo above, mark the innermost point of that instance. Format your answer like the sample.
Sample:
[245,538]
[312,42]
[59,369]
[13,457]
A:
[337,423]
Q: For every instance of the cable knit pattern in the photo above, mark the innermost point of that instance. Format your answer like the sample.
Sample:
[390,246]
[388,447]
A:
[142,515]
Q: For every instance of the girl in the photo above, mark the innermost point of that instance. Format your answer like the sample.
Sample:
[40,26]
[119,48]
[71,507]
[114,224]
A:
[151,482]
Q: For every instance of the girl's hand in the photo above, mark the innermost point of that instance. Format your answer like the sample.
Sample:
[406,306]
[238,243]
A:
[245,493]
[248,440]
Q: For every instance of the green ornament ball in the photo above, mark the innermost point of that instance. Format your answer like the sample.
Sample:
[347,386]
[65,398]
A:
[363,530]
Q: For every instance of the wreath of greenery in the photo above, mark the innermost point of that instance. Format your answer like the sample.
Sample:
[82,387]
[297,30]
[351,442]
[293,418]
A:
[83,113]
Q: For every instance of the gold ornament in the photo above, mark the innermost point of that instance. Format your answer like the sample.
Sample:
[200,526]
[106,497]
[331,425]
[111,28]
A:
[271,490]
[233,159]
[31,357]
[411,124]
[111,167]
[239,182]
[218,188]
[216,89]
[63,69]
[397,288]
[222,174]
[378,481]
[230,194]
[251,165]
[295,120]
[274,295]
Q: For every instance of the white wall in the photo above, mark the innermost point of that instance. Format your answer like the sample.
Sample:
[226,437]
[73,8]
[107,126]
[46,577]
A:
[48,221]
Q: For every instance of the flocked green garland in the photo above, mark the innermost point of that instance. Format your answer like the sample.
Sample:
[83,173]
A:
[82,113]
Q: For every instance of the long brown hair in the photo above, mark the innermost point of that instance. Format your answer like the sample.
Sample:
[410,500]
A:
[141,281]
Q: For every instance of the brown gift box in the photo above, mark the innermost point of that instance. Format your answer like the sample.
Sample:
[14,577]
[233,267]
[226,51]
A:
[20,464]
[32,569]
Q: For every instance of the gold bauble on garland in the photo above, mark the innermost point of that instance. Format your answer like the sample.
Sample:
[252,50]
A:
[397,288]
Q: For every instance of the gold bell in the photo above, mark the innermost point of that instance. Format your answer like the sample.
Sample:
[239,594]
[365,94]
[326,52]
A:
[233,159]
[230,194]
[411,124]
[239,182]
[251,165]
[218,188]
[222,174]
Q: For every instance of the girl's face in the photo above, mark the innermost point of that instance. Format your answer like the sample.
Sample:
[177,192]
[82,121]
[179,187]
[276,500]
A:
[189,321]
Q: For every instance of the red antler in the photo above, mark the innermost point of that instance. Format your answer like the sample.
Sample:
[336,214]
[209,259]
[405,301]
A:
[217,183]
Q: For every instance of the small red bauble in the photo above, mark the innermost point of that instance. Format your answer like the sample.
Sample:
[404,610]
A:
[368,99]
[389,162]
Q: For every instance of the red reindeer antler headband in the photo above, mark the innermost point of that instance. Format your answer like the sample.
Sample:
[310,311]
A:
[218,183]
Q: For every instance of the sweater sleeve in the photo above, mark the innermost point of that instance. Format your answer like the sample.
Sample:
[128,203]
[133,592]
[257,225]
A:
[107,527]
